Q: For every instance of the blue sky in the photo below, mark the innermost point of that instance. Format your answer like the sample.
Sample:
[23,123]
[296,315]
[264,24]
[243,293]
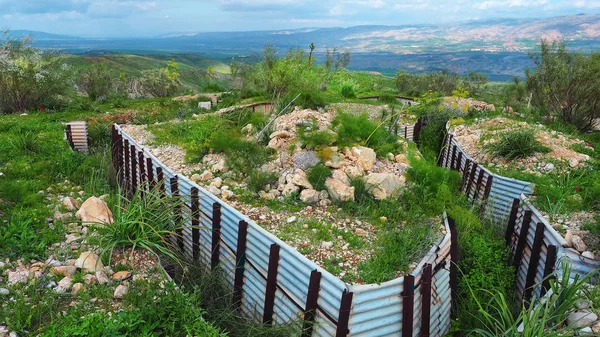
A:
[125,18]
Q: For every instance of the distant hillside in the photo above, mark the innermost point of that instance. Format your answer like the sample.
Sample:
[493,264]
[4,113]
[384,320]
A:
[40,36]
[191,67]
[467,46]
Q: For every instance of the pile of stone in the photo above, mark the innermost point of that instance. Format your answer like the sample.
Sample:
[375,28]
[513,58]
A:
[561,156]
[464,105]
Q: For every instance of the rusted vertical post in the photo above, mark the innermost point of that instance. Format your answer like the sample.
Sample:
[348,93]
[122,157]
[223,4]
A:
[408,306]
[160,180]
[471,180]
[522,237]
[150,169]
[113,146]
[216,236]
[426,300]
[417,130]
[488,187]
[126,164]
[458,164]
[453,160]
[512,220]
[548,269]
[465,175]
[119,157]
[448,152]
[312,297]
[195,208]
[478,184]
[133,170]
[177,210]
[344,318]
[141,164]
[240,263]
[271,286]
[538,240]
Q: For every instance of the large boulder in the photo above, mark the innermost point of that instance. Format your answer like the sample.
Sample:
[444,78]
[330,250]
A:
[94,210]
[384,185]
[309,196]
[305,159]
[365,157]
[338,190]
[89,262]
[300,179]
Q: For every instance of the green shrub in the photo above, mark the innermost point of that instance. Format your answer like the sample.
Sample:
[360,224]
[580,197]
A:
[362,190]
[242,156]
[316,139]
[257,180]
[388,99]
[348,91]
[307,99]
[95,81]
[353,130]
[517,144]
[317,175]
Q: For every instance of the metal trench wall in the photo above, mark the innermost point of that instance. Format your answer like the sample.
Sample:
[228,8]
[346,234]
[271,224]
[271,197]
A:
[479,184]
[273,283]
[536,247]
[538,250]
[76,134]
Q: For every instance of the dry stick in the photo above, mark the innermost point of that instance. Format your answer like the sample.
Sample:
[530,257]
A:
[259,134]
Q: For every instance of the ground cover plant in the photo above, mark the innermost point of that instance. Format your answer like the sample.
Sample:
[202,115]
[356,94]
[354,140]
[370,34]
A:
[516,144]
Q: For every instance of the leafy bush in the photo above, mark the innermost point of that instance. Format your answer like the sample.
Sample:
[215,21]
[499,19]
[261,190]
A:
[310,135]
[257,180]
[95,81]
[317,175]
[559,72]
[517,144]
[161,82]
[348,90]
[307,99]
[29,78]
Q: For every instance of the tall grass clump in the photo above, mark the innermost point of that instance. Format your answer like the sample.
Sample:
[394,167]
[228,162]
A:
[545,317]
[317,175]
[360,130]
[517,144]
[139,223]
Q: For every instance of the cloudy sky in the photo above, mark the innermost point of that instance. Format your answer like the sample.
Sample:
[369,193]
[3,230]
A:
[125,18]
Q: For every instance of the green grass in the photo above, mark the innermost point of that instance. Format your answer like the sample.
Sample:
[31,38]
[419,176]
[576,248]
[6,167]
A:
[517,144]
[317,175]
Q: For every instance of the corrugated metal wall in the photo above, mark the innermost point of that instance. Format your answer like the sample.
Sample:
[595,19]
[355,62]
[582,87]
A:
[76,134]
[376,310]
[499,197]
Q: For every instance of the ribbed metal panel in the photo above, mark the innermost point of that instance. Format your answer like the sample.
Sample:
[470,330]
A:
[376,309]
[79,136]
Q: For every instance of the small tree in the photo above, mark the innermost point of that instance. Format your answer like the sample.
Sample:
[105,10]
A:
[95,81]
[566,84]
[161,83]
[29,77]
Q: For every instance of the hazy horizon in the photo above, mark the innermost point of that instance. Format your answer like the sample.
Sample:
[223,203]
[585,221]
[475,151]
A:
[141,18]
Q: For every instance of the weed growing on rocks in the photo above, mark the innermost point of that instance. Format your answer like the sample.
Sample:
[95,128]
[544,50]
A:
[517,144]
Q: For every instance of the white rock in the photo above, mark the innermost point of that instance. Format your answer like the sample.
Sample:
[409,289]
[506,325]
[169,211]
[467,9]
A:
[101,277]
[569,238]
[64,285]
[341,176]
[309,196]
[120,291]
[361,232]
[266,195]
[581,318]
[291,219]
[573,163]
[19,276]
[588,254]
[4,292]
[217,182]
[214,190]
[578,244]
[300,179]
[365,157]
[384,185]
[338,190]
[89,262]
[195,177]
[220,166]
[226,194]
[77,287]
[353,171]
[95,210]
[205,176]
[323,195]
[70,203]
[326,244]
[401,159]
[289,189]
